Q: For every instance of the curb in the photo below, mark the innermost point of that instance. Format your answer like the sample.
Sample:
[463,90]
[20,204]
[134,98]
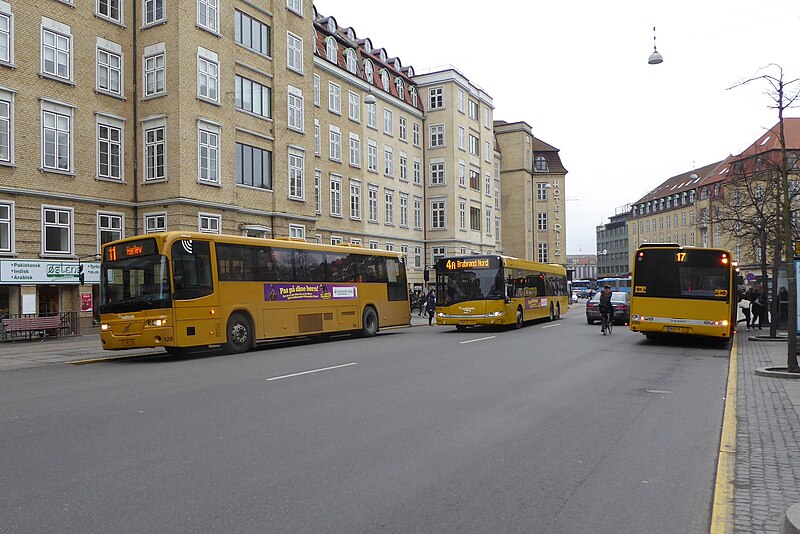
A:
[791,524]
[777,372]
[779,338]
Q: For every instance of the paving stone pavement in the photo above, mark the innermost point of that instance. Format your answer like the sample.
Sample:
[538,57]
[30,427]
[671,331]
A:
[767,465]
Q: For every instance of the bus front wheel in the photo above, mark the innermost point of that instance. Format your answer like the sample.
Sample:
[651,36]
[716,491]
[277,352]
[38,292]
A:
[369,322]
[239,334]
[520,319]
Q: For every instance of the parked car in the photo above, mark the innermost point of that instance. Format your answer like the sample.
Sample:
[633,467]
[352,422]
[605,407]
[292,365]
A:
[622,308]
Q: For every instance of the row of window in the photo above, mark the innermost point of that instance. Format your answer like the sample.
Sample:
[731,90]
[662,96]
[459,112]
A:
[678,199]
[436,139]
[436,101]
[645,225]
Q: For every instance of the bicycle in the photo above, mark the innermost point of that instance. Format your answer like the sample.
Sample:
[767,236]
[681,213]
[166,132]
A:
[608,324]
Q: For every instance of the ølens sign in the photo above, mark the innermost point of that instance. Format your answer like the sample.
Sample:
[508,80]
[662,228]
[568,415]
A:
[46,272]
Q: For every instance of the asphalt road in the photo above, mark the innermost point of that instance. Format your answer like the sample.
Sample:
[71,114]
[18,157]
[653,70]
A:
[553,428]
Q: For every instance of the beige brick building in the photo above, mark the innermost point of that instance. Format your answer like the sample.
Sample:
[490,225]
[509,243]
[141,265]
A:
[462,174]
[245,117]
[534,223]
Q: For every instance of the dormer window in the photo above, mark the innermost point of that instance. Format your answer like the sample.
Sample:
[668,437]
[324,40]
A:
[683,198]
[382,55]
[703,193]
[331,25]
[410,74]
[368,46]
[368,71]
[669,202]
[397,65]
[675,199]
[352,62]
[351,34]
[691,196]
[331,49]
[385,80]
[661,205]
[633,211]
[398,83]
[716,190]
[540,164]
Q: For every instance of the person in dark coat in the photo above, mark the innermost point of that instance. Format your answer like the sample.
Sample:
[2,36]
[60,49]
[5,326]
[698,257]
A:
[744,305]
[430,306]
[759,307]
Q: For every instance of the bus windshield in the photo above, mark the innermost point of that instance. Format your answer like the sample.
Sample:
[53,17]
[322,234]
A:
[135,283]
[680,273]
[463,279]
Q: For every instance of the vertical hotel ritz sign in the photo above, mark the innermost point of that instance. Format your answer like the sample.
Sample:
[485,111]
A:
[557,225]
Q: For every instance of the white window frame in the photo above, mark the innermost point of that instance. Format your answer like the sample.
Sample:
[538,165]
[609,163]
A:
[209,223]
[403,164]
[294,52]
[438,211]
[207,75]
[388,207]
[297,231]
[154,222]
[417,257]
[317,138]
[295,6]
[57,112]
[542,253]
[7,103]
[416,134]
[436,98]
[372,203]
[335,196]
[112,223]
[208,15]
[541,191]
[150,10]
[460,100]
[107,52]
[208,153]
[296,172]
[461,136]
[336,240]
[462,214]
[7,226]
[335,143]
[155,148]
[404,210]
[372,155]
[107,12]
[462,173]
[417,171]
[355,200]
[437,172]
[436,136]
[296,117]
[334,98]
[372,116]
[488,212]
[402,124]
[354,106]
[387,121]
[317,90]
[317,191]
[61,49]
[388,159]
[69,227]
[355,150]
[7,35]
[113,148]
[541,221]
[417,212]
[155,75]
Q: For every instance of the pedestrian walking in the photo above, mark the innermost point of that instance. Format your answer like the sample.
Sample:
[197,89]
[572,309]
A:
[744,305]
[758,306]
[430,306]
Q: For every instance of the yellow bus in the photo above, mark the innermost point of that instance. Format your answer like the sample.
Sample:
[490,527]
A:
[498,290]
[683,291]
[181,290]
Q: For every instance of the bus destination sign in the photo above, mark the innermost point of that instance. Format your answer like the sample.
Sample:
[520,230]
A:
[131,249]
[457,265]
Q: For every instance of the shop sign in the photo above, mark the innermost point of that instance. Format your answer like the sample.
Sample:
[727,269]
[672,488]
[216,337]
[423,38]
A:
[47,272]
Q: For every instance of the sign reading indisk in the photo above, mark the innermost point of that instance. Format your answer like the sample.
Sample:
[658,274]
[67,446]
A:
[47,272]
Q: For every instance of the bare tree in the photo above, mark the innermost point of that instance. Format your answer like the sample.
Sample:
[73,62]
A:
[783,95]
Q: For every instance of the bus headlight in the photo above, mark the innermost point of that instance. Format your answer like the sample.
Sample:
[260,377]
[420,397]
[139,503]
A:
[495,314]
[104,327]
[156,322]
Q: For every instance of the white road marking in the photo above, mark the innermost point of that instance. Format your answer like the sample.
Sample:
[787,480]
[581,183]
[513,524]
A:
[312,371]
[474,340]
[657,391]
[551,325]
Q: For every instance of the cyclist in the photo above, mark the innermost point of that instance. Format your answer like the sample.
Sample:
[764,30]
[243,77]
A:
[605,307]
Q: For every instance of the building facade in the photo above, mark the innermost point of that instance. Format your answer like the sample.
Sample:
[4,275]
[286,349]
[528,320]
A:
[461,182]
[265,119]
[612,245]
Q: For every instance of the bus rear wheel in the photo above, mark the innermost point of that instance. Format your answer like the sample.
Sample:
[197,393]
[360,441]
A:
[558,311]
[369,322]
[239,334]
[552,313]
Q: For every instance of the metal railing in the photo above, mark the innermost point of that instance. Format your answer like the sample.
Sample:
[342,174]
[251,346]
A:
[68,326]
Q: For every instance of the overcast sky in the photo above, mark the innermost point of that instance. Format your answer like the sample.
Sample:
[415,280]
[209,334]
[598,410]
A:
[577,72]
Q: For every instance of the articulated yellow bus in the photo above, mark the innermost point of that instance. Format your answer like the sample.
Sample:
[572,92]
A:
[181,290]
[498,290]
[683,291]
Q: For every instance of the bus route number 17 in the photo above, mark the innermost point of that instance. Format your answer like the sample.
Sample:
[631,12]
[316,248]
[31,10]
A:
[680,257]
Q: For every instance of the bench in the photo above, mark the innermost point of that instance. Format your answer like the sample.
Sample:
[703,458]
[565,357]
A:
[31,325]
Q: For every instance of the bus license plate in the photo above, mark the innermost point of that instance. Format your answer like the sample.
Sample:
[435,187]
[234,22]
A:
[467,323]
[678,329]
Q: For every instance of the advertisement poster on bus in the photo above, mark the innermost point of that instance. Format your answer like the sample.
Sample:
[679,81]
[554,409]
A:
[284,292]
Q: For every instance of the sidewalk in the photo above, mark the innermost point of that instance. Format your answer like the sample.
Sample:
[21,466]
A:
[767,460]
